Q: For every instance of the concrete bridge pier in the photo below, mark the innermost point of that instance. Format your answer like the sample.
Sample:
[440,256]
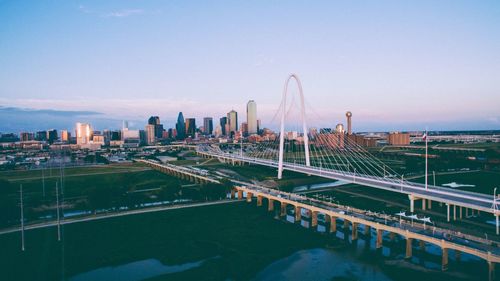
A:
[298,213]
[491,271]
[259,200]
[249,197]
[454,212]
[314,219]
[444,260]
[333,224]
[412,203]
[354,234]
[447,212]
[283,209]
[232,193]
[429,204]
[240,194]
[270,204]
[409,248]
[423,204]
[379,239]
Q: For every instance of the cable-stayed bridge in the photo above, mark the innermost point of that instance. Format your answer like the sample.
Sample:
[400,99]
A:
[337,155]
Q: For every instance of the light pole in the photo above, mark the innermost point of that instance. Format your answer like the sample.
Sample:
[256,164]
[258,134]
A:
[426,157]
[58,217]
[495,210]
[22,217]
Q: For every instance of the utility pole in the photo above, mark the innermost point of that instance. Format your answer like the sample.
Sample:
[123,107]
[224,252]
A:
[43,181]
[426,156]
[58,218]
[22,216]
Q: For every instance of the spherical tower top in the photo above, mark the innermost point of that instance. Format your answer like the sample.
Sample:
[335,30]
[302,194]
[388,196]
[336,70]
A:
[348,114]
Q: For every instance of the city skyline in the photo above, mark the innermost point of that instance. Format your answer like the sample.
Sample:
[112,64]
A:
[396,66]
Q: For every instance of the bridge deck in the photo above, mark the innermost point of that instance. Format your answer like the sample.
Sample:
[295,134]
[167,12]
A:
[481,202]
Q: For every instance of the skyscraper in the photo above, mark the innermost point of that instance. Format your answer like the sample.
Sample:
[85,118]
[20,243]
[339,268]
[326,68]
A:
[83,133]
[158,128]
[52,136]
[150,134]
[65,136]
[180,127]
[208,124]
[223,122]
[252,117]
[190,127]
[244,129]
[232,120]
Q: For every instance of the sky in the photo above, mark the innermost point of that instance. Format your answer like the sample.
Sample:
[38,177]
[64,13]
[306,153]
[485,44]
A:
[397,65]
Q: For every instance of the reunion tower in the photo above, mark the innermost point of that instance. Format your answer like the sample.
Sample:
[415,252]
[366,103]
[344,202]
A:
[348,114]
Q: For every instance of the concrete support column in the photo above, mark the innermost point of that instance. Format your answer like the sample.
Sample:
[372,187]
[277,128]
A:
[448,212]
[454,212]
[283,209]
[240,194]
[259,200]
[367,230]
[408,247]
[460,216]
[444,260]
[423,204]
[314,219]
[497,224]
[354,234]
[249,197]
[412,203]
[467,212]
[333,224]
[491,271]
[429,204]
[270,206]
[379,238]
[346,224]
[232,193]
[298,213]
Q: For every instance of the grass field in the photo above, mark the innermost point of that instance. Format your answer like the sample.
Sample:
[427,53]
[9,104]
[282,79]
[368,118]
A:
[70,171]
[85,188]
[483,181]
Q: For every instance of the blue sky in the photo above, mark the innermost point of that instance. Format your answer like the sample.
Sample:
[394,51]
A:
[395,64]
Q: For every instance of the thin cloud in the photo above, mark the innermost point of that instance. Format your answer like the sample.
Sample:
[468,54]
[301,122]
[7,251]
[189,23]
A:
[114,14]
[124,13]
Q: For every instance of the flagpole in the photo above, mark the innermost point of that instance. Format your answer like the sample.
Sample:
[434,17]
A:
[426,156]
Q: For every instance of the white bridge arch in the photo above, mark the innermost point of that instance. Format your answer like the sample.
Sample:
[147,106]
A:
[282,125]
